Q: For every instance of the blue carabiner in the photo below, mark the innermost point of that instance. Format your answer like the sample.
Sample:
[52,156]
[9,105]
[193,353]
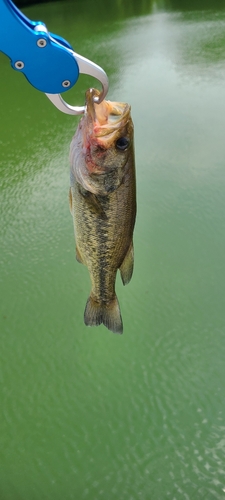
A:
[44,59]
[47,60]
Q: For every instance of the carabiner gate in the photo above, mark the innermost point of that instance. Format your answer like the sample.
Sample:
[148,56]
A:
[89,68]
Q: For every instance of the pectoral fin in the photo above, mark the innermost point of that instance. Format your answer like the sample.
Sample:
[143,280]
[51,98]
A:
[93,202]
[71,201]
[126,268]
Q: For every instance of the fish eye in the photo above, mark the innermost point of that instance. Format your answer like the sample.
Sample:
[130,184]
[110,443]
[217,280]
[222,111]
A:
[122,143]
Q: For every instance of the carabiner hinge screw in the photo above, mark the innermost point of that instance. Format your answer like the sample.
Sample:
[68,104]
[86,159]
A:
[41,43]
[19,64]
[66,83]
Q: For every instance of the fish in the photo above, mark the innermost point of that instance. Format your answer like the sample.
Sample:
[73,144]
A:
[103,203]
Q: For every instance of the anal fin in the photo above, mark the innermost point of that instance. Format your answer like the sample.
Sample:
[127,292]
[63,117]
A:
[127,266]
[78,256]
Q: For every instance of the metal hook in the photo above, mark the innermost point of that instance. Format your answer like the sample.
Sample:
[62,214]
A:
[89,68]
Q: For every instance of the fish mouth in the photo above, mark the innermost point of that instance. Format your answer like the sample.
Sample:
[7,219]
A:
[105,120]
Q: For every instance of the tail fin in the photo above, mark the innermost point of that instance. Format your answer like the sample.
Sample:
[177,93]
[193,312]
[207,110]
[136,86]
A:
[109,314]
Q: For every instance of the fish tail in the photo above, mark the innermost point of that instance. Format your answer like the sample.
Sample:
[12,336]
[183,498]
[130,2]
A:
[109,314]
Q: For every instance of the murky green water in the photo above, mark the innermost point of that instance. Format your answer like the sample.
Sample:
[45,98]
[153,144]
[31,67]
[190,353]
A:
[86,414]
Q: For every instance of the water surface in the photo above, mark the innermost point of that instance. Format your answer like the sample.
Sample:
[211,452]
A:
[86,414]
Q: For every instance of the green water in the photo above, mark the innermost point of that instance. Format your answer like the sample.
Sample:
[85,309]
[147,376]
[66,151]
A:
[86,414]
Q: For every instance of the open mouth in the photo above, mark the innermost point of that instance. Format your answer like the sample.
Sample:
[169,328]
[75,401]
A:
[107,115]
[105,121]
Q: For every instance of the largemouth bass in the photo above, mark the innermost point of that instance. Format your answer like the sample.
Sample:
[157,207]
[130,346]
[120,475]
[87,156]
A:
[103,204]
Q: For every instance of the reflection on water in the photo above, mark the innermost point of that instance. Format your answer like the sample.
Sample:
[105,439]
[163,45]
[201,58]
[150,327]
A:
[85,414]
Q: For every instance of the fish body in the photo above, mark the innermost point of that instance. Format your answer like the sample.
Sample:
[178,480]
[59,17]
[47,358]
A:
[103,204]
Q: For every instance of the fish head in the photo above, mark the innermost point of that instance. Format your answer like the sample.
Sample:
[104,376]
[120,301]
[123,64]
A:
[106,140]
